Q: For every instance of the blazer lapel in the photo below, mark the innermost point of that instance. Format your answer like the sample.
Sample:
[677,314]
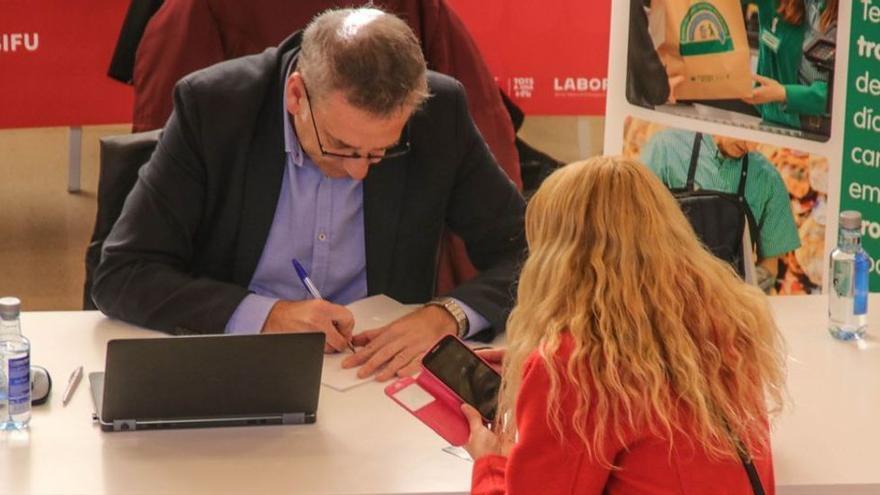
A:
[263,175]
[383,196]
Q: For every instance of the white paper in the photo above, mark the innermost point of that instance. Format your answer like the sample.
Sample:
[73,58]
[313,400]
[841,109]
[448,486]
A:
[369,313]
[377,311]
[458,452]
[337,377]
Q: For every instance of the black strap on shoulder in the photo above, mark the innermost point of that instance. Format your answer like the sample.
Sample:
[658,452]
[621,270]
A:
[695,157]
[741,197]
[741,190]
[752,473]
[746,459]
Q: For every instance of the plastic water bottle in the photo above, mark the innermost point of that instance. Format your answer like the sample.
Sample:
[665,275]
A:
[848,293]
[15,369]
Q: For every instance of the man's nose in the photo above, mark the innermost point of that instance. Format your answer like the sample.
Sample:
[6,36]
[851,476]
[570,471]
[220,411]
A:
[357,169]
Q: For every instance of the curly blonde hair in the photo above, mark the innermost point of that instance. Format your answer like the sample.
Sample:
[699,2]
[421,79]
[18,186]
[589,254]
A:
[666,336]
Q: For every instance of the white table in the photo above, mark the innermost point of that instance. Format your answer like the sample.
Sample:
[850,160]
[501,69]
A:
[827,443]
[828,440]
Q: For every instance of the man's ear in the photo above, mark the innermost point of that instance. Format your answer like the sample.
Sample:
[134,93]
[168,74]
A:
[295,92]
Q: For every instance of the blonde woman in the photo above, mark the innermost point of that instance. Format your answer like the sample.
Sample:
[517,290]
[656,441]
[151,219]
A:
[637,361]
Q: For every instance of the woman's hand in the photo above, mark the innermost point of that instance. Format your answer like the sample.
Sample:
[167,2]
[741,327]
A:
[482,441]
[767,91]
[495,357]
[674,82]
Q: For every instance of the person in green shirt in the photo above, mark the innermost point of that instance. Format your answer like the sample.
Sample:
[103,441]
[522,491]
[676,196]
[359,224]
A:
[789,87]
[668,155]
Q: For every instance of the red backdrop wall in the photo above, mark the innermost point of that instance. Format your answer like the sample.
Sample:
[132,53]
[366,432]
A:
[550,56]
[54,56]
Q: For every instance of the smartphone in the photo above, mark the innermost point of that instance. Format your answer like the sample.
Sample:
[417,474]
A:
[465,374]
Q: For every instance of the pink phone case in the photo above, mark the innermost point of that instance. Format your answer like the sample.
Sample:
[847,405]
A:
[428,399]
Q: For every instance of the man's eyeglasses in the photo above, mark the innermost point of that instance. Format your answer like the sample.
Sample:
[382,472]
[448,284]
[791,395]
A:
[399,149]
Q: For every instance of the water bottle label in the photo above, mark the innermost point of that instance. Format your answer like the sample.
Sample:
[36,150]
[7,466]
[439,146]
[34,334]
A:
[860,289]
[19,385]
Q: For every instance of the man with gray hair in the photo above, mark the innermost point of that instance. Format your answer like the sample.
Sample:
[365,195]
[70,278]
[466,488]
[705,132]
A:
[340,150]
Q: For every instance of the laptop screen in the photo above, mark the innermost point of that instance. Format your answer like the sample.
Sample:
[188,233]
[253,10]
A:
[212,376]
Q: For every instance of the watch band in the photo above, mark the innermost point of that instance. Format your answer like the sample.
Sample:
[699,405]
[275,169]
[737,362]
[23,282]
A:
[455,310]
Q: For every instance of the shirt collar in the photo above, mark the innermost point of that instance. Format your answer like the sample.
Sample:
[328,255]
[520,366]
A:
[709,145]
[720,158]
[292,147]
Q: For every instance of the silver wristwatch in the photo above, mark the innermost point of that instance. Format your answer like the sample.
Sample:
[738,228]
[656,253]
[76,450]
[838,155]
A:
[455,310]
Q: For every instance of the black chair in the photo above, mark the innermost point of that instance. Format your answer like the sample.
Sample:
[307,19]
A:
[121,158]
[534,164]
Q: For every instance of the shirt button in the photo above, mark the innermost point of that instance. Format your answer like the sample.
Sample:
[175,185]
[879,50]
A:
[322,237]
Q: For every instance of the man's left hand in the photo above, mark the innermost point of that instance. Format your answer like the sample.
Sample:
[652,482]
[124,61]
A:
[395,349]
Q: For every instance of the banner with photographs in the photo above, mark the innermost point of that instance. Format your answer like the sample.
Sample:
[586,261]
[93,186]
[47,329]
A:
[737,63]
[860,185]
[786,191]
[757,78]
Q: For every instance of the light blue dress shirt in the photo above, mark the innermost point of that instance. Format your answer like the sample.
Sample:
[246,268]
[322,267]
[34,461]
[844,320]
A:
[320,222]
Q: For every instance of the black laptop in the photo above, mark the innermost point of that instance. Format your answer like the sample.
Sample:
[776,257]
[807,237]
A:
[203,381]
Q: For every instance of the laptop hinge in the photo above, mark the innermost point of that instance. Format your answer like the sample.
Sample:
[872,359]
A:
[124,424]
[293,418]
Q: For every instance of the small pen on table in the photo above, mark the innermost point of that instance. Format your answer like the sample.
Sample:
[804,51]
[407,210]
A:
[72,382]
[311,289]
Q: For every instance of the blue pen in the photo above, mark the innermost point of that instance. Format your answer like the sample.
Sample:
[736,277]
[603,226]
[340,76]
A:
[306,281]
[310,287]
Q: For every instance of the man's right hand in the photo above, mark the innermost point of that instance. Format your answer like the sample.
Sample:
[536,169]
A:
[314,315]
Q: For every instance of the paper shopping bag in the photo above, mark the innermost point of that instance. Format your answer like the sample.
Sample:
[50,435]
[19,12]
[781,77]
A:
[705,41]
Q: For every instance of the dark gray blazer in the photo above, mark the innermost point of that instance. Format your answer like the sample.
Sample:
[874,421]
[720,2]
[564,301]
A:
[186,245]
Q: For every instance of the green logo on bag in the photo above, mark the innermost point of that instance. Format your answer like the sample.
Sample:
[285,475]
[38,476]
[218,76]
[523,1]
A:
[704,31]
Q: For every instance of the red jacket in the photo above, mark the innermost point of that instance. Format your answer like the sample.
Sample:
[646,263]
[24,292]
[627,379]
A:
[187,35]
[540,464]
